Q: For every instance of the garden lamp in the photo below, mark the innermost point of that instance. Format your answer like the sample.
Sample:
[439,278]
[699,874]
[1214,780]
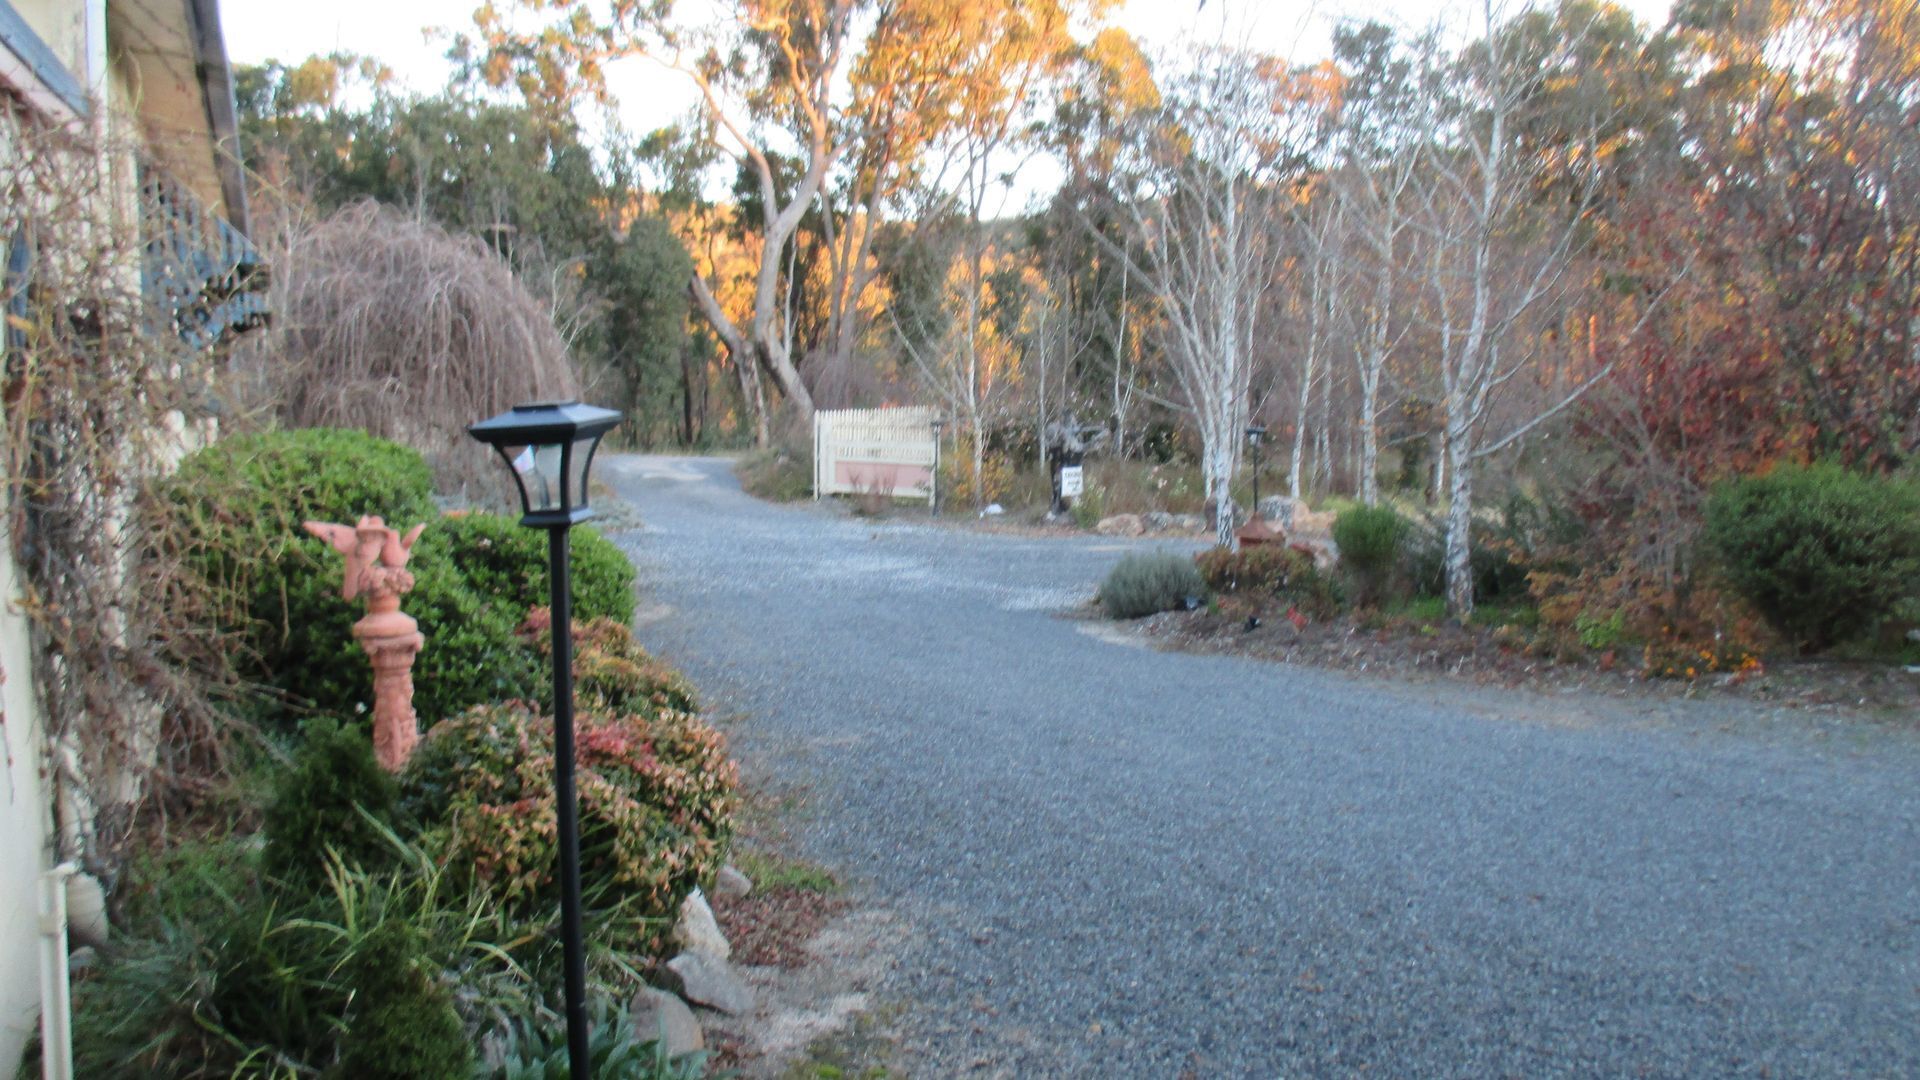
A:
[1256,435]
[548,448]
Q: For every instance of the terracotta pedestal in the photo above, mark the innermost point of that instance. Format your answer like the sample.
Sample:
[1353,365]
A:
[392,639]
[376,566]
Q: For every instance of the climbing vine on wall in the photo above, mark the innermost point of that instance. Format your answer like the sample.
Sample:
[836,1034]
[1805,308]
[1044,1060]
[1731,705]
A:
[103,387]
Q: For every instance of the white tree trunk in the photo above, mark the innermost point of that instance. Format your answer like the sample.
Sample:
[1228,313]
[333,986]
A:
[1460,525]
[1219,481]
[1369,439]
[1296,469]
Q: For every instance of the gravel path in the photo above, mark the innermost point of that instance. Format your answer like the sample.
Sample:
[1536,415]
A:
[1121,862]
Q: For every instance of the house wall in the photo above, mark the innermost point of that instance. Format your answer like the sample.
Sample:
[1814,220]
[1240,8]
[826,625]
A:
[26,826]
[23,830]
[24,818]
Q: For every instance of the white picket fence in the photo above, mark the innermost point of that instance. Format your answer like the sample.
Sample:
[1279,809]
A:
[856,451]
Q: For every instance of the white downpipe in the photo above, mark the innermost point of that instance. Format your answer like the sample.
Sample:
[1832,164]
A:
[56,1004]
[96,57]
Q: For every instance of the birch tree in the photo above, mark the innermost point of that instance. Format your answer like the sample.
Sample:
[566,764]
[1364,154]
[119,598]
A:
[1204,188]
[1496,259]
[1317,225]
[1383,122]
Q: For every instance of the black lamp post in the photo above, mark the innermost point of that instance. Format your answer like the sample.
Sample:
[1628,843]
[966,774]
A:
[548,447]
[1256,435]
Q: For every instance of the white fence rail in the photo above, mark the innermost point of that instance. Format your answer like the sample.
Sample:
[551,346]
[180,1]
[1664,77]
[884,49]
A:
[890,451]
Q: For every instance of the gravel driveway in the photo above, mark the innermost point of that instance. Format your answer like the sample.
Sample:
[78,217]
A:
[1121,862]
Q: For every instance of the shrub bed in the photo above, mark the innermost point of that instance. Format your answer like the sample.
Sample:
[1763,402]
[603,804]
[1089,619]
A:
[1270,571]
[380,934]
[383,928]
[476,576]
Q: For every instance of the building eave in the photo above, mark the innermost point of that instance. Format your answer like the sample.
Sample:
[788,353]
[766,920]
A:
[223,114]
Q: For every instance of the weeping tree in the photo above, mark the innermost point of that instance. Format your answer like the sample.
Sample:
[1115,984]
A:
[396,326]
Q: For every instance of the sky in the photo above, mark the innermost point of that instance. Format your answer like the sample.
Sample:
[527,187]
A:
[393,31]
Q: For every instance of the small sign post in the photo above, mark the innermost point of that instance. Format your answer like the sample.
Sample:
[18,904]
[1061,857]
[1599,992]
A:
[1072,481]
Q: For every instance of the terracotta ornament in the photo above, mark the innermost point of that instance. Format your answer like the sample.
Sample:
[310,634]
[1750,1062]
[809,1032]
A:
[377,569]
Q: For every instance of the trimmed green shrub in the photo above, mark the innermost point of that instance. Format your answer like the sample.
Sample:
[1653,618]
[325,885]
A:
[278,589]
[402,1025]
[317,805]
[504,562]
[1370,539]
[1271,571]
[1142,584]
[246,498]
[1822,553]
[472,655]
[656,801]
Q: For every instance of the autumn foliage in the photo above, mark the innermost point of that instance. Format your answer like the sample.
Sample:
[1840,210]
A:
[656,791]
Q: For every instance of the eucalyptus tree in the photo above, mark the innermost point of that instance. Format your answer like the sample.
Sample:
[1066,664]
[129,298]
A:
[1105,98]
[766,74]
[1004,61]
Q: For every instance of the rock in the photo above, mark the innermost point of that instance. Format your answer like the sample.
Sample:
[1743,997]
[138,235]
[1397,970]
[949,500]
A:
[1326,554]
[1257,532]
[697,932]
[656,1014]
[1121,525]
[1189,523]
[1158,520]
[81,959]
[1308,523]
[993,510]
[1295,517]
[711,981]
[731,883]
[86,910]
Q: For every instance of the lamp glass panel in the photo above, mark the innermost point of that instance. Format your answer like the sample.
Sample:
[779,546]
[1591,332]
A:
[577,464]
[539,473]
[519,462]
